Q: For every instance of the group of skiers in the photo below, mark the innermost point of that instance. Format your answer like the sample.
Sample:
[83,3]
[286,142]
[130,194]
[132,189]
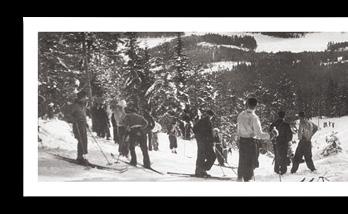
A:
[131,129]
[249,132]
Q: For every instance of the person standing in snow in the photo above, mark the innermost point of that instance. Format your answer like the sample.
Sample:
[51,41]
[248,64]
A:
[203,131]
[306,131]
[281,143]
[219,147]
[119,113]
[155,132]
[136,127]
[151,125]
[104,130]
[114,127]
[78,114]
[172,133]
[248,130]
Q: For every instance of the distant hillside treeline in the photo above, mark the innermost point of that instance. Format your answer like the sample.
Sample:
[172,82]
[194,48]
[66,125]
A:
[285,34]
[158,34]
[240,41]
[332,46]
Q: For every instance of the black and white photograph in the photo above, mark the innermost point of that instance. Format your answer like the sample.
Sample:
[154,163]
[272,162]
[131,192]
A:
[185,106]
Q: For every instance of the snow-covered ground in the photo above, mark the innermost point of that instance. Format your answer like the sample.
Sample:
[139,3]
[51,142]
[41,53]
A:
[310,42]
[223,65]
[153,42]
[57,138]
[207,44]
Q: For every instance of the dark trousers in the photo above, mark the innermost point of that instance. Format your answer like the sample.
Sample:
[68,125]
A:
[121,138]
[205,155]
[304,148]
[115,134]
[149,137]
[248,158]
[154,141]
[136,136]
[173,142]
[80,133]
[219,153]
[280,159]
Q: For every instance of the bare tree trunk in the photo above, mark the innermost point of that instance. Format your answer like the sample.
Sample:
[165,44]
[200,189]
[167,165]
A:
[85,56]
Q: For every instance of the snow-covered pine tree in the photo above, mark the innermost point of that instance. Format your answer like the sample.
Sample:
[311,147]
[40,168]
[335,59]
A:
[132,69]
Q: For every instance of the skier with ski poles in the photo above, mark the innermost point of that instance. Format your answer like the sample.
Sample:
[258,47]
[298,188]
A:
[78,118]
[282,135]
[306,131]
[248,130]
[137,127]
[219,147]
[203,131]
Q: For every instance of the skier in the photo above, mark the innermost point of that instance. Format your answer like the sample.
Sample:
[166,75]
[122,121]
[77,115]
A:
[248,129]
[114,127]
[219,147]
[151,125]
[78,115]
[155,132]
[172,133]
[119,114]
[136,127]
[305,133]
[104,130]
[281,143]
[325,124]
[205,148]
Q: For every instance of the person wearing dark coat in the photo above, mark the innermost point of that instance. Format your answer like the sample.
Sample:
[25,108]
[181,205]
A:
[78,114]
[151,125]
[104,130]
[114,128]
[281,143]
[172,135]
[136,127]
[203,131]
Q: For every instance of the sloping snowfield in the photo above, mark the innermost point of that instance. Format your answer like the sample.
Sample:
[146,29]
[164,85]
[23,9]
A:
[57,138]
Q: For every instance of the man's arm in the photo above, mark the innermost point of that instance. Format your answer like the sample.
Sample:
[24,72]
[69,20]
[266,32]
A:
[258,130]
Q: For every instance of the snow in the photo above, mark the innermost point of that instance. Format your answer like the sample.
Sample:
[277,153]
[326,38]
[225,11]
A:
[150,42]
[223,65]
[57,138]
[316,41]
[207,44]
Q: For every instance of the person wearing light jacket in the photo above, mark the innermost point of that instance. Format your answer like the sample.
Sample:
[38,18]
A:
[306,131]
[249,130]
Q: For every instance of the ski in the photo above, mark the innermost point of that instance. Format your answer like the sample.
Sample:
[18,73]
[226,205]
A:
[195,176]
[311,180]
[303,179]
[92,165]
[230,167]
[152,169]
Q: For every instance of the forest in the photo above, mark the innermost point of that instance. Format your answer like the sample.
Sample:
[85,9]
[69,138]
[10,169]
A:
[169,77]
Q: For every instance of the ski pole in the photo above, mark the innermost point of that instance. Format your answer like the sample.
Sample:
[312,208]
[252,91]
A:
[223,173]
[226,161]
[109,163]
